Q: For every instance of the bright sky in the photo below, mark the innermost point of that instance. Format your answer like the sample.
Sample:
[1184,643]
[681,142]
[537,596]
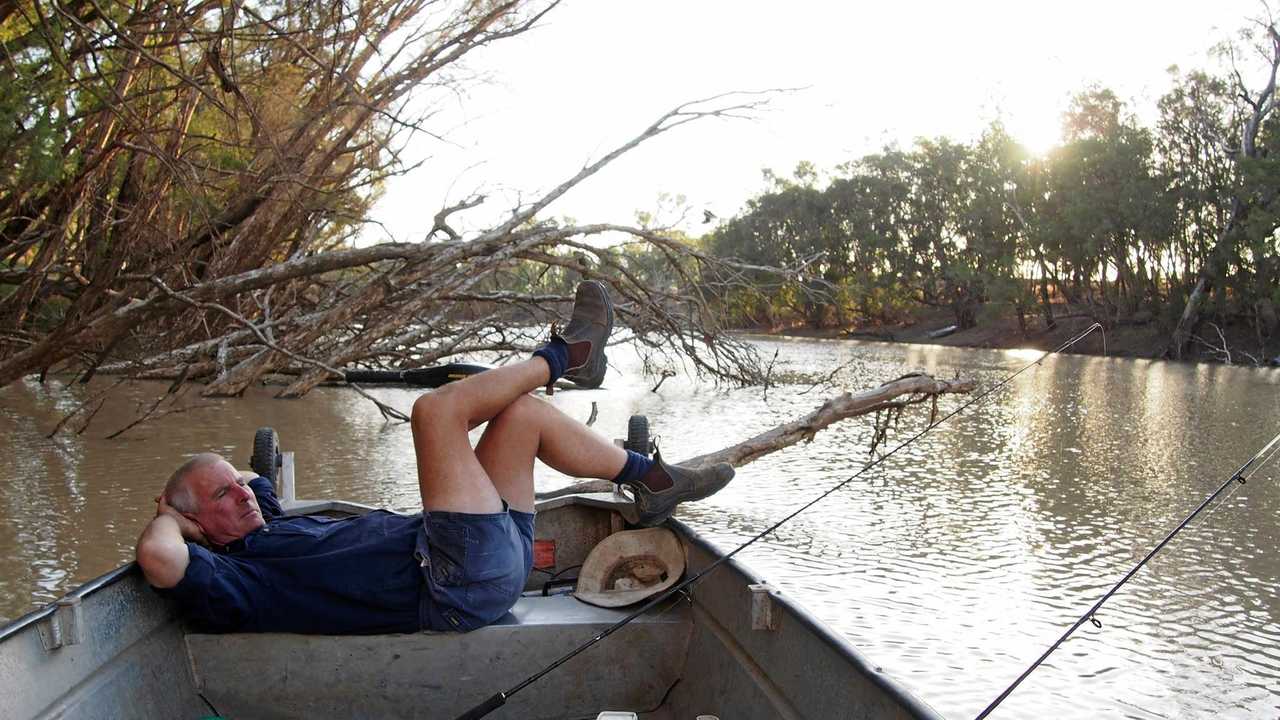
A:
[598,71]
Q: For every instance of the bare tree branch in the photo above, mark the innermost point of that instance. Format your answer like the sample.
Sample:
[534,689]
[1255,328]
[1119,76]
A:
[909,390]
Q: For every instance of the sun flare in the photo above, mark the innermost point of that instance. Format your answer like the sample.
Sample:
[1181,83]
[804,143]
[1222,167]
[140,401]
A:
[1038,133]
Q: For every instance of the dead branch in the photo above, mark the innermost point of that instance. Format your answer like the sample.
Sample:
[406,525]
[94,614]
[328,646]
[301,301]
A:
[1221,350]
[98,397]
[219,159]
[892,396]
[911,390]
[826,379]
[387,411]
[724,105]
[152,414]
[664,375]
[172,395]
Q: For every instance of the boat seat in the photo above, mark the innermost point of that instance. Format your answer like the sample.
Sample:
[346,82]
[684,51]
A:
[562,609]
[442,674]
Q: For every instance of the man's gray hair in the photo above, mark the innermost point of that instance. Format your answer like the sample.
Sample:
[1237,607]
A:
[178,490]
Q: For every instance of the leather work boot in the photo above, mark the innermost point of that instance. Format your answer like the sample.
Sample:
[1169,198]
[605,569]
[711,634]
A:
[593,379]
[666,486]
[586,334]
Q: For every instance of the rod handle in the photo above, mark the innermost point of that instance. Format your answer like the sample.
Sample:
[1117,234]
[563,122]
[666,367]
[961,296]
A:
[485,707]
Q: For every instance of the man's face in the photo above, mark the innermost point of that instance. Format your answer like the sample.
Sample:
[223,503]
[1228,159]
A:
[228,509]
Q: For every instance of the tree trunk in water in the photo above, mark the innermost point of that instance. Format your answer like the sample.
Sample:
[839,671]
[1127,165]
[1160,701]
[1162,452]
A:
[1045,306]
[966,315]
[907,390]
[1190,318]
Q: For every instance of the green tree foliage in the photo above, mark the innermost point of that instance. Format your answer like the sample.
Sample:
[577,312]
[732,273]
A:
[1119,220]
[1197,121]
[791,226]
[1109,212]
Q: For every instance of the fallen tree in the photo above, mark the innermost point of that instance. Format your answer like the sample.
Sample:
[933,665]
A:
[184,186]
[891,397]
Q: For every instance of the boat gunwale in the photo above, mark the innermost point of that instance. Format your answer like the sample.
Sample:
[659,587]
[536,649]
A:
[83,591]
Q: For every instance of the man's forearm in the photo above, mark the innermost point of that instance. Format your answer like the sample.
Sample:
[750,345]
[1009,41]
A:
[162,552]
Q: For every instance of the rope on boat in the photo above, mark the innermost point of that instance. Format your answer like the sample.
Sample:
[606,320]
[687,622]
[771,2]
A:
[499,699]
[1239,476]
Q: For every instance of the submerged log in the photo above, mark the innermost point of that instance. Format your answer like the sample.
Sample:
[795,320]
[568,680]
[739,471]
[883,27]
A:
[897,394]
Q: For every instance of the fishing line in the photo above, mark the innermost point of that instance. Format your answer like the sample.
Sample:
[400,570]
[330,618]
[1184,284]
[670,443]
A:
[1239,476]
[1226,499]
[499,699]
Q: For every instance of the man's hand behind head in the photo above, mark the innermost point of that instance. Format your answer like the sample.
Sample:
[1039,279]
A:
[190,529]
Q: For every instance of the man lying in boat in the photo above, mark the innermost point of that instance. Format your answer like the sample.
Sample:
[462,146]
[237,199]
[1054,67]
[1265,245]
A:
[223,549]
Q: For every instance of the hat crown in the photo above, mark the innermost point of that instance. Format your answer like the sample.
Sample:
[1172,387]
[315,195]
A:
[629,566]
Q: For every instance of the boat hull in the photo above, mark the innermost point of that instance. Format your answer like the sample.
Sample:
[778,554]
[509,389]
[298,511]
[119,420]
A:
[731,646]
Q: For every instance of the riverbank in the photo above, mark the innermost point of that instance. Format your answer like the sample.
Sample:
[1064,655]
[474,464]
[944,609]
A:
[998,328]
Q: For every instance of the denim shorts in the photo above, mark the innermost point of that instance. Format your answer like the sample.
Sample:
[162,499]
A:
[474,566]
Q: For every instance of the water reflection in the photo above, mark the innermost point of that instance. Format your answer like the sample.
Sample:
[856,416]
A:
[953,565]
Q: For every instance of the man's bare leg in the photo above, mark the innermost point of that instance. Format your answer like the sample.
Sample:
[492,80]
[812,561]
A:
[450,476]
[531,427]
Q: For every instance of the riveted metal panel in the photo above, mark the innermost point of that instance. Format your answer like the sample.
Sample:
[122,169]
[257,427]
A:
[129,660]
[800,666]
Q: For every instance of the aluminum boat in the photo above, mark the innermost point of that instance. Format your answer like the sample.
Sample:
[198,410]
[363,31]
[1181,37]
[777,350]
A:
[730,647]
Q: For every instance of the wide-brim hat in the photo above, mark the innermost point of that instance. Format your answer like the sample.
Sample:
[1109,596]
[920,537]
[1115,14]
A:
[629,566]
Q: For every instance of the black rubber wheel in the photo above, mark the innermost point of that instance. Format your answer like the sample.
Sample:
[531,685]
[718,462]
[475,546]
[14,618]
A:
[266,458]
[638,435]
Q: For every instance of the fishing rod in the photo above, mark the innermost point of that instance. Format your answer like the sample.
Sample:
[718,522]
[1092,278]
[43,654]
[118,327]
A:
[1237,477]
[499,699]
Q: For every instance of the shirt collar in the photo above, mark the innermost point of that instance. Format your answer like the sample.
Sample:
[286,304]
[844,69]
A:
[237,545]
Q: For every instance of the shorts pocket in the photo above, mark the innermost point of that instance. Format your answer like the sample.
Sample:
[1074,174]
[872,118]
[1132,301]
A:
[475,568]
[446,552]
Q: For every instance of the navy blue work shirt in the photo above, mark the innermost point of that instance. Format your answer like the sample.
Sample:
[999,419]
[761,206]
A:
[308,574]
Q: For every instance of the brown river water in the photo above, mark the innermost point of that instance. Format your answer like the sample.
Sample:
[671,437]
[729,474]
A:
[953,566]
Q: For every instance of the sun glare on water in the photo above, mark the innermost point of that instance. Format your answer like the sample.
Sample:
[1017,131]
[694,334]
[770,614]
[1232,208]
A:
[1025,354]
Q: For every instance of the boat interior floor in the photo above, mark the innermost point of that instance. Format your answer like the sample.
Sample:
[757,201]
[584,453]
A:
[243,675]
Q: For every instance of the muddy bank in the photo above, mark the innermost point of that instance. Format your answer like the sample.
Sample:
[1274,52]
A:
[998,328]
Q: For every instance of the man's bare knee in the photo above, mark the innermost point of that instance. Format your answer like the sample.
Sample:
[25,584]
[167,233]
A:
[523,418]
[433,409]
[525,409]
